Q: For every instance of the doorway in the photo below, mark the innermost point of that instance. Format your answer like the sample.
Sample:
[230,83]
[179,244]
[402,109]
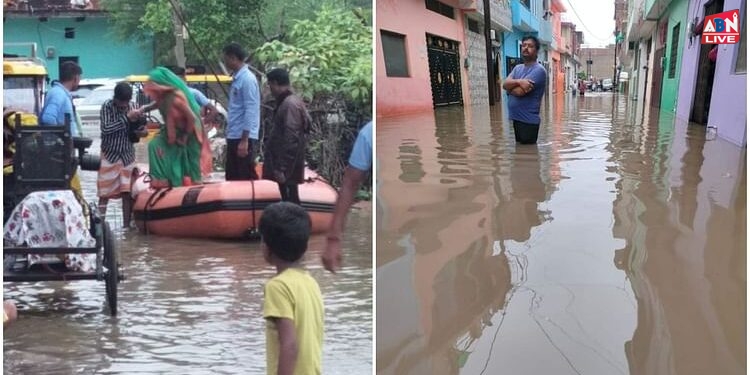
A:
[704,81]
[656,77]
[445,71]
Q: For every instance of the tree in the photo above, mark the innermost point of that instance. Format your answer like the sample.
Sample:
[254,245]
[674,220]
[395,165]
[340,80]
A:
[211,24]
[329,59]
[328,55]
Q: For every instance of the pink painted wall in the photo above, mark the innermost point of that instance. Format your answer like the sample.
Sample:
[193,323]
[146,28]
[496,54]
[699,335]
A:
[400,95]
[559,88]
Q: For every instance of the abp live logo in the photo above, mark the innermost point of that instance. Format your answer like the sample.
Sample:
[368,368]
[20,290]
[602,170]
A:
[722,28]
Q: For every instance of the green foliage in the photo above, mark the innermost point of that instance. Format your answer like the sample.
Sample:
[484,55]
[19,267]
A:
[582,76]
[328,55]
[211,24]
[363,195]
[329,59]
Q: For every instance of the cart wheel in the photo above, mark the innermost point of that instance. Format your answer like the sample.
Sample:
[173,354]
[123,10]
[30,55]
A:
[110,261]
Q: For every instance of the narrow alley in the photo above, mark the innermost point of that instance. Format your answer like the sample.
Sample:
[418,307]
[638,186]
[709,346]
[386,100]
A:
[616,245]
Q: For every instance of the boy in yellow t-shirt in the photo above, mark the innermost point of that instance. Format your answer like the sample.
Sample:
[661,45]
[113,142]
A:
[293,305]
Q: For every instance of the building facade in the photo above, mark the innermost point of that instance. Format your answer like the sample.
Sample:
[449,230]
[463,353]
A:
[421,64]
[705,86]
[443,59]
[670,70]
[602,62]
[68,33]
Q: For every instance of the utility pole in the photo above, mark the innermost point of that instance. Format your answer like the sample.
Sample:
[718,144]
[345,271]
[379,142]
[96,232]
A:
[488,45]
[179,46]
[614,74]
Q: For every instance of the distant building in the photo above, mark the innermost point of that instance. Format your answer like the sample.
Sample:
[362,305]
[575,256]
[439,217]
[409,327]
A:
[602,62]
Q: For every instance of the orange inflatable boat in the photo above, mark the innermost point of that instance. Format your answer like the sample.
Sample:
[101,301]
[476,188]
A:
[225,209]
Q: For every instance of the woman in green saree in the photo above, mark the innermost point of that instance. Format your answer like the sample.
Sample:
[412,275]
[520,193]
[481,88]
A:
[180,155]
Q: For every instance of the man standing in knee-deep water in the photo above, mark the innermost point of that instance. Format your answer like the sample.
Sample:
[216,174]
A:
[525,85]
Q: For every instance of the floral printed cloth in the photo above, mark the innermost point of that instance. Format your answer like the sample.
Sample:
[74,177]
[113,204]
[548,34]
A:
[51,219]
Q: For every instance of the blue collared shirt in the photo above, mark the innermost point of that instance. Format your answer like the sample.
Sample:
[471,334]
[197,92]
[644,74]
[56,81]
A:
[57,103]
[244,105]
[199,97]
[361,156]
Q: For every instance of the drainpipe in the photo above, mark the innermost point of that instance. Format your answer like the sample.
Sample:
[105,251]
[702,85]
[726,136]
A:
[488,48]
[614,73]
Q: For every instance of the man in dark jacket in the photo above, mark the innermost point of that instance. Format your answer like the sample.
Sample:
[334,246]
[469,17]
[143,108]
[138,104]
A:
[284,159]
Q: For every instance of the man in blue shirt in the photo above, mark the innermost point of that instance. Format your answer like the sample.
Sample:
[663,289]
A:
[525,85]
[58,102]
[243,117]
[360,161]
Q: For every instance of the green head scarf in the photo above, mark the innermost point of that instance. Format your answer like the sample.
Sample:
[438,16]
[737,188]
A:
[165,77]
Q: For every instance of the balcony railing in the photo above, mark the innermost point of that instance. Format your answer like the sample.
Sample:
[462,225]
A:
[523,19]
[545,32]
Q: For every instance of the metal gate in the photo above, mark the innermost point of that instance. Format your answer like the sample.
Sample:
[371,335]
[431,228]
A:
[445,71]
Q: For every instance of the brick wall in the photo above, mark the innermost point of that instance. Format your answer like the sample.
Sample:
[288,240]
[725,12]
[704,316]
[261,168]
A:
[477,72]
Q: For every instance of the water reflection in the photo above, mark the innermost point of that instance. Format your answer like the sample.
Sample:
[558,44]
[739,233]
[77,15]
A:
[684,224]
[594,252]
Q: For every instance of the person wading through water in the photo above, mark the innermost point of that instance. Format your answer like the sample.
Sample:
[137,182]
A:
[525,85]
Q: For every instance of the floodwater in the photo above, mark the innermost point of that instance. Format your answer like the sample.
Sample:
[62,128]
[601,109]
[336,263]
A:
[187,307]
[617,245]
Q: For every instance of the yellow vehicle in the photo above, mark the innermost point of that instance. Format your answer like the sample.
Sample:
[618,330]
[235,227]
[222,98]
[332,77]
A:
[24,87]
[24,82]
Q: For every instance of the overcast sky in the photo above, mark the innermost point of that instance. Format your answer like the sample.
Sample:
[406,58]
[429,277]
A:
[595,18]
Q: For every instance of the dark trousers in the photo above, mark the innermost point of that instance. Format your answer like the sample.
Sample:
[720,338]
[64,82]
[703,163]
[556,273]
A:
[526,134]
[289,192]
[238,168]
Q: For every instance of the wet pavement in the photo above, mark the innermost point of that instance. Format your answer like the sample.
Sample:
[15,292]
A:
[187,307]
[617,245]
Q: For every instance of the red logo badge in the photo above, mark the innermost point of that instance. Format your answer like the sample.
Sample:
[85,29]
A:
[722,28]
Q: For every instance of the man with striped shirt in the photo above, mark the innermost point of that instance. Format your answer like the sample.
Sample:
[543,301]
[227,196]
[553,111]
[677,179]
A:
[118,153]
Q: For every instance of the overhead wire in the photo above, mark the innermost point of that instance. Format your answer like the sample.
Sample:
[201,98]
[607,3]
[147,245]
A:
[608,39]
[180,15]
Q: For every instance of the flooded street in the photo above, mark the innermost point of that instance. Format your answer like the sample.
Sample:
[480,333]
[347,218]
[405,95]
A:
[617,245]
[187,307]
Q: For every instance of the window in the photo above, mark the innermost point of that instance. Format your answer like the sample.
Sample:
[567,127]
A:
[394,53]
[473,26]
[526,3]
[439,7]
[740,65]
[673,50]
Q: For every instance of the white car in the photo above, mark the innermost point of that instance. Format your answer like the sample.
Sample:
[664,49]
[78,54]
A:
[89,109]
[87,86]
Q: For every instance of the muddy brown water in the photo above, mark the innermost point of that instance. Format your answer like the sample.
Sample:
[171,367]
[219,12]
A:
[617,245]
[187,307]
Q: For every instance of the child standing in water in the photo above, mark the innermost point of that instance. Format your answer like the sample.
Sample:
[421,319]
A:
[293,305]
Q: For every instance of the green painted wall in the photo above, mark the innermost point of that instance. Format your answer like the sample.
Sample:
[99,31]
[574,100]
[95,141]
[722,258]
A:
[677,14]
[99,54]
